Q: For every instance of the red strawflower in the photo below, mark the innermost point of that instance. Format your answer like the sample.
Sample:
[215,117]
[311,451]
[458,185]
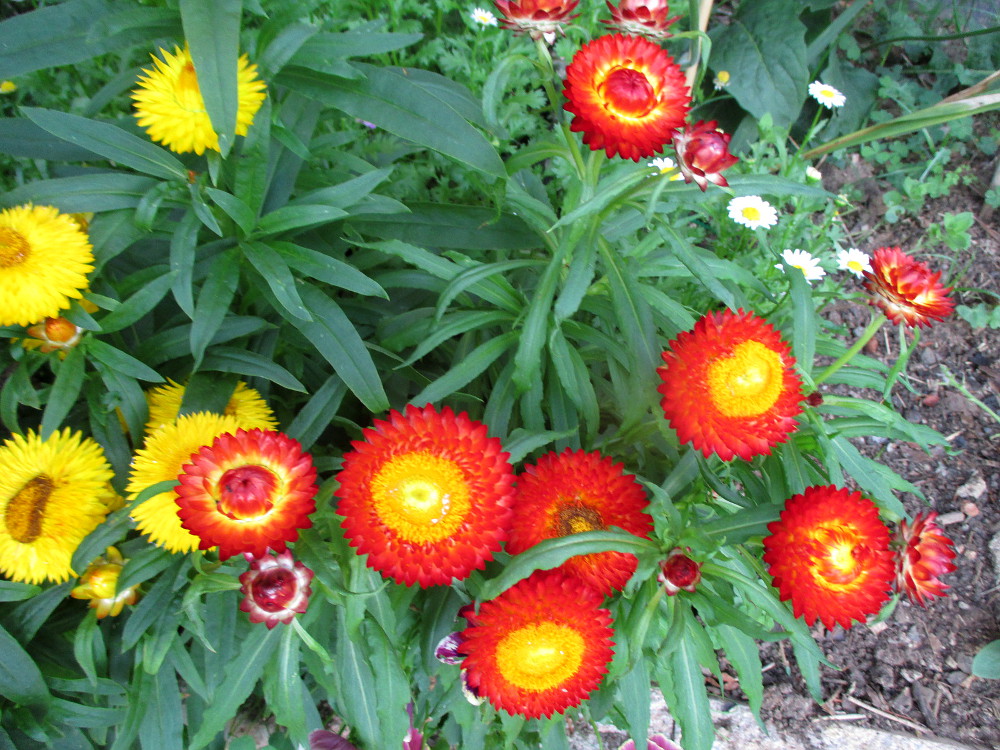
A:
[248,491]
[537,18]
[427,496]
[829,553]
[924,555]
[730,386]
[703,153]
[540,647]
[647,17]
[905,289]
[571,492]
[679,572]
[275,589]
[627,95]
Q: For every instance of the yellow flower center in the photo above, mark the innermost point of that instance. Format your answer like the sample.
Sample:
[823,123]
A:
[187,92]
[575,519]
[421,497]
[540,657]
[751,213]
[836,556]
[748,383]
[25,511]
[14,249]
[855,266]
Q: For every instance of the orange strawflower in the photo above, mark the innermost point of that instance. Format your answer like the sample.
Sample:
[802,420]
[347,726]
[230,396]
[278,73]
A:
[829,553]
[540,647]
[537,18]
[905,289]
[571,492]
[627,96]
[426,495]
[924,555]
[730,386]
[246,492]
[647,17]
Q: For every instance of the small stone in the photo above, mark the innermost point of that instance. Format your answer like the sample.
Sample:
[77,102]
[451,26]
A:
[947,519]
[970,509]
[974,487]
[928,356]
[956,677]
[910,675]
[931,399]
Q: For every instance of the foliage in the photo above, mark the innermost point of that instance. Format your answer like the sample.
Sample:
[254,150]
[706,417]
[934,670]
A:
[462,251]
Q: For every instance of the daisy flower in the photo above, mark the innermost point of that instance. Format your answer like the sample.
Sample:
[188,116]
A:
[805,262]
[826,95]
[483,17]
[905,289]
[247,492]
[924,555]
[753,212]
[854,260]
[813,174]
[664,165]
[540,647]
[730,387]
[721,80]
[53,493]
[44,262]
[572,492]
[627,96]
[829,554]
[426,495]
[169,104]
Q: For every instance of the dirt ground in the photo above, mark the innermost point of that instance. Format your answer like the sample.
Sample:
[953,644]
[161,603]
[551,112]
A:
[912,674]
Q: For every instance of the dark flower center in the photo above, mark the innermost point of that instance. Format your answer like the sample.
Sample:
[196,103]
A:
[246,492]
[26,510]
[14,249]
[575,519]
[628,93]
[274,589]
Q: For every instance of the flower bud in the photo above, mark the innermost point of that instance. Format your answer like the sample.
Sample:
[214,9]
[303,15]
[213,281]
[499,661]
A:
[646,17]
[99,584]
[275,589]
[924,555]
[54,334]
[679,571]
[703,153]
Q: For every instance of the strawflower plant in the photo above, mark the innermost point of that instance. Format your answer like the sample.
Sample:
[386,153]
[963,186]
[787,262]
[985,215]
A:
[341,375]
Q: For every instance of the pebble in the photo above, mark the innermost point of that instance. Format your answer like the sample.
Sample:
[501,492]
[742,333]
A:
[974,487]
[947,519]
[956,677]
[970,509]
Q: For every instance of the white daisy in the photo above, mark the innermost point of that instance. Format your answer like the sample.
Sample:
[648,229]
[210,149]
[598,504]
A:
[826,95]
[803,261]
[484,17]
[721,80]
[854,260]
[813,174]
[753,212]
[664,165]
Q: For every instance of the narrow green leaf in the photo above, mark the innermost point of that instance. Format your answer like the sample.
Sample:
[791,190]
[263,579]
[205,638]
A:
[394,693]
[251,364]
[252,178]
[109,141]
[144,565]
[235,209]
[273,269]
[65,391]
[162,728]
[96,192]
[313,418]
[454,324]
[327,269]
[213,302]
[606,195]
[699,269]
[109,532]
[236,684]
[287,218]
[521,442]
[123,363]
[15,591]
[744,654]
[691,707]
[340,344]
[476,274]
[358,691]
[471,365]
[283,688]
[633,694]
[345,194]
[20,679]
[804,320]
[212,31]
[534,333]
[138,305]
[876,479]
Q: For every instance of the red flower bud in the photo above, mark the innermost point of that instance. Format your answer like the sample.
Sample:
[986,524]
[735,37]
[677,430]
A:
[679,571]
[275,589]
[703,153]
[925,555]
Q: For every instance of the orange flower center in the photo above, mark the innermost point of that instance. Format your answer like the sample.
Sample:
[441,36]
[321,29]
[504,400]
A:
[575,519]
[837,556]
[422,497]
[25,511]
[748,383]
[60,331]
[540,657]
[628,93]
[14,249]
[247,492]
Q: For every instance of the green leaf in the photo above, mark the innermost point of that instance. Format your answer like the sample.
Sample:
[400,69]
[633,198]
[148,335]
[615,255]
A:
[687,255]
[633,699]
[327,47]
[534,333]
[14,591]
[235,209]
[741,526]
[96,192]
[744,654]
[345,194]
[340,344]
[65,391]
[21,137]
[138,305]
[314,417]
[212,31]
[20,679]
[690,707]
[327,269]
[109,141]
[392,101]
[394,693]
[764,49]
[521,442]
[876,479]
[986,663]
[213,302]
[107,533]
[554,552]
[251,364]
[471,365]
[283,688]
[288,218]
[162,728]
[124,364]
[147,563]
[273,269]
[607,193]
[804,320]
[358,691]
[236,683]
[772,184]
[471,277]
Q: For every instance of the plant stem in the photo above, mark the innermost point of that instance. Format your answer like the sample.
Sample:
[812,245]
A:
[873,327]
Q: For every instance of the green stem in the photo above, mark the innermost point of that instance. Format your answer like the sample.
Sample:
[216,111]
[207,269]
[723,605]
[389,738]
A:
[873,327]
